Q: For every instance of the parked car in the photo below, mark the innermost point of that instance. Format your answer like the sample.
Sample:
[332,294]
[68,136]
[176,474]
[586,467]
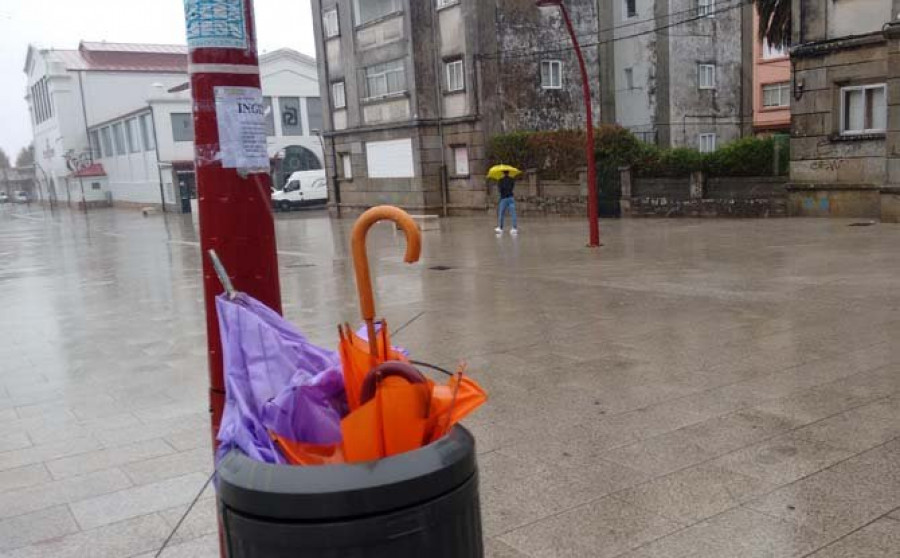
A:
[303,189]
[4,197]
[20,197]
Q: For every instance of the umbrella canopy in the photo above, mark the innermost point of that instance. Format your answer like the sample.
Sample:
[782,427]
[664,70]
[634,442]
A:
[277,382]
[497,172]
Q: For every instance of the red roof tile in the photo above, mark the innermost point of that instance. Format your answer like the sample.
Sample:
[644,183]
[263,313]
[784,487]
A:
[123,57]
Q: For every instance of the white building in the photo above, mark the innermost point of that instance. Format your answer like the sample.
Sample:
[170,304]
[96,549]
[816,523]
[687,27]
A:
[125,110]
[68,90]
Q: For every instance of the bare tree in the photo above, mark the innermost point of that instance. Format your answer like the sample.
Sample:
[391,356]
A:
[26,156]
[775,21]
[4,160]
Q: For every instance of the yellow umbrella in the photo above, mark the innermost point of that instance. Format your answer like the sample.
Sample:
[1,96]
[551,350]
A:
[496,172]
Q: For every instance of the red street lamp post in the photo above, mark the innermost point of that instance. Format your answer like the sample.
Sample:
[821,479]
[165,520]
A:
[593,204]
[232,166]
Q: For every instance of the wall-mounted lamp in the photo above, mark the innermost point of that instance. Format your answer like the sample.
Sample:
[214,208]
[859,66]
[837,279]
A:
[799,86]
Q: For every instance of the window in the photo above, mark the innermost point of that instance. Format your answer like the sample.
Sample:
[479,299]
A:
[131,133]
[96,153]
[446,3]
[706,8]
[119,138]
[41,100]
[95,186]
[629,78]
[456,79]
[460,160]
[338,95]
[776,95]
[330,24]
[551,74]
[707,143]
[147,132]
[106,139]
[390,159]
[769,51]
[314,113]
[291,122]
[370,10]
[630,8]
[347,165]
[182,126]
[707,76]
[292,186]
[270,117]
[863,109]
[385,79]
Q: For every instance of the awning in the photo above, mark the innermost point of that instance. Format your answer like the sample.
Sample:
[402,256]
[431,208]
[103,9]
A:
[90,171]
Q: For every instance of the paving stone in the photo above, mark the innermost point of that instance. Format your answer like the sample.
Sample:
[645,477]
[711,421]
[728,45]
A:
[16,441]
[126,538]
[737,533]
[108,458]
[40,496]
[854,431]
[46,452]
[830,503]
[782,460]
[694,494]
[156,429]
[813,405]
[134,502]
[494,548]
[35,527]
[202,519]
[203,547]
[605,528]
[23,477]
[168,466]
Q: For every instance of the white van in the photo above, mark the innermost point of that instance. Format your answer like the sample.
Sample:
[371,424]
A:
[303,188]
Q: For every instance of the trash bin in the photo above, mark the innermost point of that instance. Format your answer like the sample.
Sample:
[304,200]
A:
[417,504]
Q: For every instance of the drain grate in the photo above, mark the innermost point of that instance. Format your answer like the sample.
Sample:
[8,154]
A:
[440,268]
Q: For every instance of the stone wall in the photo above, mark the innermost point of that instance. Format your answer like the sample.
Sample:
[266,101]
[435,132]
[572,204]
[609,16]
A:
[832,174]
[535,196]
[700,196]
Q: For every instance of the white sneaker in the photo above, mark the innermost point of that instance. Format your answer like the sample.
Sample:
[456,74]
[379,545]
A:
[498,230]
[514,232]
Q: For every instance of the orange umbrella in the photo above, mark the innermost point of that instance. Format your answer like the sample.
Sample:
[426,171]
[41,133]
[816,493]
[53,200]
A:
[393,407]
[352,346]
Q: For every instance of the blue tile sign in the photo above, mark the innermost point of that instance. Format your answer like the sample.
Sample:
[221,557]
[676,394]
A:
[216,23]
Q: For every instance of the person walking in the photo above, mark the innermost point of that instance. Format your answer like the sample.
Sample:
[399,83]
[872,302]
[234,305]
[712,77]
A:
[507,203]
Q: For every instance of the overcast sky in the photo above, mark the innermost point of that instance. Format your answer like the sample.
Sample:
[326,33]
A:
[63,23]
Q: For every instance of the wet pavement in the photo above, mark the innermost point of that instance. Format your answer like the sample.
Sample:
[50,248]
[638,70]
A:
[693,389]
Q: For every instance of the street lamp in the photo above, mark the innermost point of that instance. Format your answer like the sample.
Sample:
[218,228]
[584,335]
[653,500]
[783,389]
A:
[589,117]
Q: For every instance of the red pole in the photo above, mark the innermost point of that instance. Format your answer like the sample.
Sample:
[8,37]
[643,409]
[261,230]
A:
[233,182]
[593,204]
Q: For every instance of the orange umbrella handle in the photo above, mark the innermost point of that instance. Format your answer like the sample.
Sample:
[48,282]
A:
[361,258]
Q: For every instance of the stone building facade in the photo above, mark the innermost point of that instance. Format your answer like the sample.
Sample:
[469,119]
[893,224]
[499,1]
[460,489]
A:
[845,145]
[678,73]
[412,90]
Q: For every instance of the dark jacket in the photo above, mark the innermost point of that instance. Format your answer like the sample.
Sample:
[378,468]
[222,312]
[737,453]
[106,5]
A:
[506,185]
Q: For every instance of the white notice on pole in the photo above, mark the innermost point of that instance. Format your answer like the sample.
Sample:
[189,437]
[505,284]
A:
[241,114]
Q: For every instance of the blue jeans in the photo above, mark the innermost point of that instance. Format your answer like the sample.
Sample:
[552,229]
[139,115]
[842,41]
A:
[508,204]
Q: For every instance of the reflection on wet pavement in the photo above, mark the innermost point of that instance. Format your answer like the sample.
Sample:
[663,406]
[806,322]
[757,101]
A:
[716,388]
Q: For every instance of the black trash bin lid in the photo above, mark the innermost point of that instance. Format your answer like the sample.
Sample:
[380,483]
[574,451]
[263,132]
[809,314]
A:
[328,492]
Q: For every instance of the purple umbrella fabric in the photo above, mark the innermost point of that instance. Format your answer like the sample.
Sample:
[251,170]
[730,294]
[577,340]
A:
[275,380]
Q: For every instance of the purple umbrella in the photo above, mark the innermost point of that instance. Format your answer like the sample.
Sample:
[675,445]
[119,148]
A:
[276,381]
